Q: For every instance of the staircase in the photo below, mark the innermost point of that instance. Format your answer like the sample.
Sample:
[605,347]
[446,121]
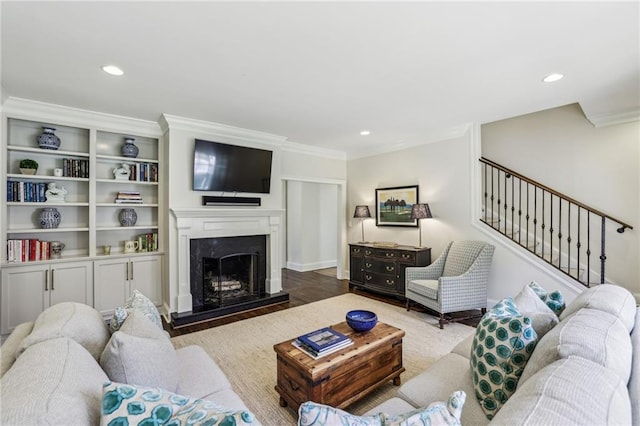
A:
[565,233]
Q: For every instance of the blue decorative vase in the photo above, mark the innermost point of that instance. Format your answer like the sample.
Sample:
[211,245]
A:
[128,148]
[48,140]
[50,218]
[128,217]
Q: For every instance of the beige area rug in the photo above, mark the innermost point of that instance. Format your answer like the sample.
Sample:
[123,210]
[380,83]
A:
[244,349]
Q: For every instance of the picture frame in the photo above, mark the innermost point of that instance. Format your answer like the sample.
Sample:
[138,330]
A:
[393,206]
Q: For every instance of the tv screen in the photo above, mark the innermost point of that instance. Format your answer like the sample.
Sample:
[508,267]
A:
[231,168]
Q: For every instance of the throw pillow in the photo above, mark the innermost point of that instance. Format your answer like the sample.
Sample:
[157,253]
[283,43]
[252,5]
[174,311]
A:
[137,302]
[436,414]
[141,354]
[314,414]
[130,405]
[530,305]
[554,300]
[501,347]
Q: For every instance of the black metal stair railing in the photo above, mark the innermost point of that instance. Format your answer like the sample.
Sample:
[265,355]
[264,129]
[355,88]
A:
[549,224]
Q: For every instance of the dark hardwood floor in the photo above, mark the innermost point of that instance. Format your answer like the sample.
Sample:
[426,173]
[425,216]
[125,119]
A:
[303,288]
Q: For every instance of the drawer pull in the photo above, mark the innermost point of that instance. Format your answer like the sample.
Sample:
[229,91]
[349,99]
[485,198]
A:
[406,256]
[368,265]
[356,250]
[390,268]
[390,254]
[368,277]
[391,282]
[367,252]
[293,384]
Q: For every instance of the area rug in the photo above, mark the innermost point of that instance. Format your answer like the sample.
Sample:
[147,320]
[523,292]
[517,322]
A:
[244,349]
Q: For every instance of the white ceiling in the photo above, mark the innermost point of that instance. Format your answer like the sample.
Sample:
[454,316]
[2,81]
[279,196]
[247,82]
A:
[320,72]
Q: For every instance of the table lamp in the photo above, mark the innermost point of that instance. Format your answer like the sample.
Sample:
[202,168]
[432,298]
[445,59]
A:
[420,211]
[362,212]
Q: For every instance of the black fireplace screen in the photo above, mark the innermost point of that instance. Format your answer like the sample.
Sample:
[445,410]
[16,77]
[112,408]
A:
[229,279]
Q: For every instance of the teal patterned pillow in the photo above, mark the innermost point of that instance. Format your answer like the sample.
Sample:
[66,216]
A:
[314,414]
[502,345]
[436,414]
[127,405]
[554,300]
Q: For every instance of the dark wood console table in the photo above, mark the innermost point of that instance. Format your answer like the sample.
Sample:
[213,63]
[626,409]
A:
[381,269]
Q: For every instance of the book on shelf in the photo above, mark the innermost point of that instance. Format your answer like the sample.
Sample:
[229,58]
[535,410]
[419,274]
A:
[27,250]
[322,339]
[119,201]
[315,354]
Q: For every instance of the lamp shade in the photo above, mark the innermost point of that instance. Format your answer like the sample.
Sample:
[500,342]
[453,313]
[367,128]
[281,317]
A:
[362,212]
[420,211]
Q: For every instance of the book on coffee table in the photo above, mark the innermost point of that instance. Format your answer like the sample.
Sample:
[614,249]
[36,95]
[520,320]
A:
[315,354]
[323,339]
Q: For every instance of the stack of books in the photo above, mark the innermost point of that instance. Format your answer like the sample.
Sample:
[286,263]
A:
[322,342]
[31,250]
[128,197]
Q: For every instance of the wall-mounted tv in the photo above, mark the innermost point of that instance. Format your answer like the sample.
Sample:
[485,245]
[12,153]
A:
[231,168]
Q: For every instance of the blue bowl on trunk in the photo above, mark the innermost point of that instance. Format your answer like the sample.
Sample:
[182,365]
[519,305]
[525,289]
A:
[361,320]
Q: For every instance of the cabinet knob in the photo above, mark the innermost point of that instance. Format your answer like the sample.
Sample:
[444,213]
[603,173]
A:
[368,265]
[390,268]
[367,277]
[367,252]
[391,282]
[390,254]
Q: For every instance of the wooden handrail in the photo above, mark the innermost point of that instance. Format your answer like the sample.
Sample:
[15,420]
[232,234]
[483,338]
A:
[556,193]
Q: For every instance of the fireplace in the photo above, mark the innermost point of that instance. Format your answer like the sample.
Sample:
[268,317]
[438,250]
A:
[224,235]
[227,270]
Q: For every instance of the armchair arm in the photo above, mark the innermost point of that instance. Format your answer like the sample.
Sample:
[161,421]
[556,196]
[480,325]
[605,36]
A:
[430,272]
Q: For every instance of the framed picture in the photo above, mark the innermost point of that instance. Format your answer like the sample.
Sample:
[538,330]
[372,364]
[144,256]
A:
[393,206]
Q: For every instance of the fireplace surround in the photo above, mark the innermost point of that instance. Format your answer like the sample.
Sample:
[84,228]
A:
[243,231]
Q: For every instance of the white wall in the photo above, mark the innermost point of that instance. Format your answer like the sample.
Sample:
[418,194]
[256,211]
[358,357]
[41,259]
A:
[443,171]
[312,225]
[599,167]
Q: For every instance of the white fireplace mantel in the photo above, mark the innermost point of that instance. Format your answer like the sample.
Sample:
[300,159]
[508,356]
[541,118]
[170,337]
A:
[210,222]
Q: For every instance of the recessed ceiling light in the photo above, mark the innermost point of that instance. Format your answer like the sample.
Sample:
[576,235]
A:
[112,69]
[365,133]
[552,77]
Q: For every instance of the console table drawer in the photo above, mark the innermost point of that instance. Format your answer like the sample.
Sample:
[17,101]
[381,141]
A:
[407,257]
[381,280]
[381,267]
[380,253]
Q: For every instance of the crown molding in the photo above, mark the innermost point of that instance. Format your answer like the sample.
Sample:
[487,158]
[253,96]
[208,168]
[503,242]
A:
[614,118]
[63,115]
[437,135]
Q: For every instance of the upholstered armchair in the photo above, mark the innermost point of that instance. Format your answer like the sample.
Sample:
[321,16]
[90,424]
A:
[456,281]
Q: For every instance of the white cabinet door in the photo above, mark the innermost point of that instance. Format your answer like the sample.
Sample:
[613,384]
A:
[111,284]
[23,294]
[29,290]
[146,277]
[71,282]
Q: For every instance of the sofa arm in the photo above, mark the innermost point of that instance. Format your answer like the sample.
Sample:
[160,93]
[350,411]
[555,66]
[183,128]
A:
[10,346]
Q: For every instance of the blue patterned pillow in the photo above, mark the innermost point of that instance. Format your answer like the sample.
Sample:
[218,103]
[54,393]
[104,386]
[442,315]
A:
[137,302]
[554,300]
[314,414]
[502,345]
[136,405]
[436,414]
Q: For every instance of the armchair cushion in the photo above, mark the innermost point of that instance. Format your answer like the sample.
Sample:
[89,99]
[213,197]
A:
[461,256]
[426,288]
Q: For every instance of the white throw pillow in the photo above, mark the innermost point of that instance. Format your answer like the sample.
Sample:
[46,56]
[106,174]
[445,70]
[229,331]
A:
[530,305]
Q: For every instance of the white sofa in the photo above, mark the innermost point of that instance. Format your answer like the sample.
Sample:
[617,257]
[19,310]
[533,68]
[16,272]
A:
[583,371]
[53,369]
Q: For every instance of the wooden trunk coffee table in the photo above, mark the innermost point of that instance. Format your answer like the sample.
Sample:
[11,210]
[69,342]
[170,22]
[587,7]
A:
[345,376]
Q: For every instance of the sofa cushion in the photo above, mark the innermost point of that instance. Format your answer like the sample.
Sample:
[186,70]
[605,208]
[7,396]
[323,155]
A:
[448,374]
[531,305]
[503,343]
[571,391]
[591,334]
[634,380]
[76,321]
[426,288]
[609,298]
[141,354]
[126,404]
[461,256]
[464,347]
[137,302]
[10,346]
[200,376]
[55,382]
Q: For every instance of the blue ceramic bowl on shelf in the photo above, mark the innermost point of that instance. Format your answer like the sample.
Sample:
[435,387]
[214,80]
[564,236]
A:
[361,320]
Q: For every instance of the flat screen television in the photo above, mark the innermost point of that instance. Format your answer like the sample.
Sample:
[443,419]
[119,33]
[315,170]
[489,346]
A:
[231,168]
